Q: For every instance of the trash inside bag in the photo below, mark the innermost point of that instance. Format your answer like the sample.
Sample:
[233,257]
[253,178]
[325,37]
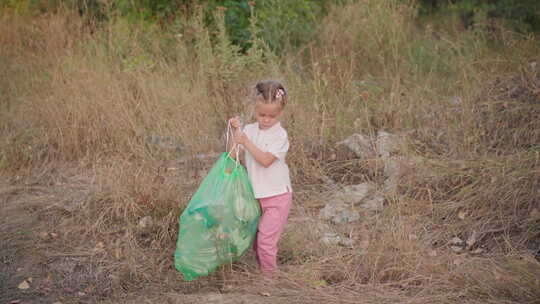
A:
[220,222]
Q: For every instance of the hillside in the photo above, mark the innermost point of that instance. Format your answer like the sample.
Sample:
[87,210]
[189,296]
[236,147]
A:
[107,130]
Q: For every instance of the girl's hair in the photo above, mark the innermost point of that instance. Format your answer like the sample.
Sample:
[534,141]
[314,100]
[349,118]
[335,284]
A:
[270,91]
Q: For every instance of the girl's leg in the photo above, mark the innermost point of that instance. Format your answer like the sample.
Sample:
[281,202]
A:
[275,211]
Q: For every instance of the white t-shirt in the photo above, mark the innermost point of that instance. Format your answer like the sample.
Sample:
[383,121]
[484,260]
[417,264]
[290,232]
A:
[275,179]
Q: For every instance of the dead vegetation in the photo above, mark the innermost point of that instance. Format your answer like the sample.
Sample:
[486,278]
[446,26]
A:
[81,168]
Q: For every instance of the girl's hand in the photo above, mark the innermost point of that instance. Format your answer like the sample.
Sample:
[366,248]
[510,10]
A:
[235,122]
[240,137]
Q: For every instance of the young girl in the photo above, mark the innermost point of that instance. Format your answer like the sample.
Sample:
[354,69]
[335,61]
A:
[267,144]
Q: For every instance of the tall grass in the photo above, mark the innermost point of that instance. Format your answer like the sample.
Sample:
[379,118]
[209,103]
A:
[466,105]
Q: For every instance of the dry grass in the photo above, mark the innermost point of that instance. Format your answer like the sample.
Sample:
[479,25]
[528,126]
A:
[109,120]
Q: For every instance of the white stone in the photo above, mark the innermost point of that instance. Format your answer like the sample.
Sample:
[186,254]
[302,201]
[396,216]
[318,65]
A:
[387,144]
[456,241]
[471,240]
[329,182]
[359,144]
[456,249]
[478,251]
[330,210]
[392,171]
[339,213]
[347,242]
[346,216]
[146,222]
[330,238]
[213,298]
[354,194]
[24,285]
[374,204]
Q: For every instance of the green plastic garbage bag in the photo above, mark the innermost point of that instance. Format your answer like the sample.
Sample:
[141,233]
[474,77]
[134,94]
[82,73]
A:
[220,222]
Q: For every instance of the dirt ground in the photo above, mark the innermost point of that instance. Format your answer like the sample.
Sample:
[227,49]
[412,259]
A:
[41,263]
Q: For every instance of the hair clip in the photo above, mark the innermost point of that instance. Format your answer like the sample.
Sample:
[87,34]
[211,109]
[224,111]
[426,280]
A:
[280,93]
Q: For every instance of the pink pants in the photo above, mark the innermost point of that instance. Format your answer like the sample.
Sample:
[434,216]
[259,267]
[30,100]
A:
[275,210]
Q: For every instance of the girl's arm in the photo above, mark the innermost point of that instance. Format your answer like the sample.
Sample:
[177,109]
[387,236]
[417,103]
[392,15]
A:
[265,159]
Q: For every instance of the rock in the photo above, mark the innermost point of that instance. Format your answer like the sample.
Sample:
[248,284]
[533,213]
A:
[456,244]
[146,222]
[345,216]
[392,167]
[339,213]
[373,204]
[387,144]
[390,185]
[360,144]
[392,171]
[330,210]
[478,251]
[75,201]
[329,182]
[332,238]
[354,194]
[44,235]
[462,214]
[100,245]
[471,240]
[347,242]
[456,249]
[23,285]
[321,228]
[456,241]
[214,298]
[342,209]
[432,253]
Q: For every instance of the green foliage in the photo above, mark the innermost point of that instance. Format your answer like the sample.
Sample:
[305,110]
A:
[279,23]
[521,15]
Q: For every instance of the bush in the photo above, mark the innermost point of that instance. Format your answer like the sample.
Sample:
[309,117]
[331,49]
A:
[521,15]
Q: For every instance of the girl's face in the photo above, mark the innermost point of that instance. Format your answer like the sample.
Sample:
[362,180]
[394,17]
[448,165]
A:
[267,114]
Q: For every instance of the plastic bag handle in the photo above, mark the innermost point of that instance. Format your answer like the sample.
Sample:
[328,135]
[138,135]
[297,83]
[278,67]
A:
[231,135]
